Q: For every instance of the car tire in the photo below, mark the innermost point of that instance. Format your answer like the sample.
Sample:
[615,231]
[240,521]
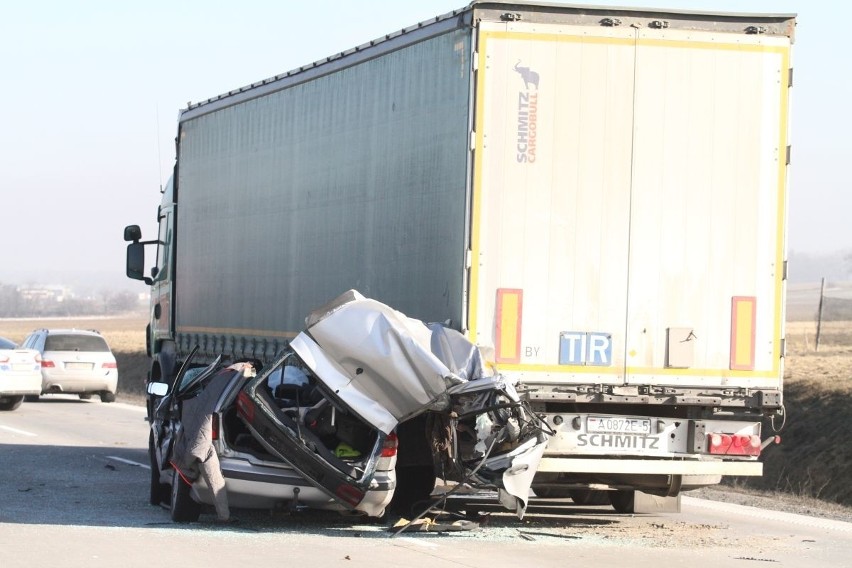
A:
[590,497]
[622,501]
[159,491]
[183,508]
[11,402]
[107,396]
[85,395]
[414,485]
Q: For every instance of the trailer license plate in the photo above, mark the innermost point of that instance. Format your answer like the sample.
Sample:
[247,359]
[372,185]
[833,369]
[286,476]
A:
[618,425]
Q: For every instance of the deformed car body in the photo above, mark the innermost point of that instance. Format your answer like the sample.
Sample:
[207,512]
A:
[322,417]
[20,374]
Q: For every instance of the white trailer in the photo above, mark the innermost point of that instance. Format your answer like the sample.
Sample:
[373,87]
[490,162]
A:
[597,194]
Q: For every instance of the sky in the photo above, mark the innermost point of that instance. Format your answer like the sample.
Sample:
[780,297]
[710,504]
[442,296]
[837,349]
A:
[90,92]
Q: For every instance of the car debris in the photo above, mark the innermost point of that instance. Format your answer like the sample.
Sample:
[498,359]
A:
[330,403]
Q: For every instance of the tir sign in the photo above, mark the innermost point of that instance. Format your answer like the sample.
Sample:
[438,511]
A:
[585,348]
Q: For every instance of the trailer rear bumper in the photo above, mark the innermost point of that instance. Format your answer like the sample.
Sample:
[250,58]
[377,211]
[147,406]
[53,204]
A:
[650,467]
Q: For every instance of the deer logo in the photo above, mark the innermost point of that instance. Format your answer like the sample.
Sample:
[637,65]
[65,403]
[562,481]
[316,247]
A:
[529,76]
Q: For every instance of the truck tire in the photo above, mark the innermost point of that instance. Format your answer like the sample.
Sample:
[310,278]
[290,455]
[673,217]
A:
[622,500]
[159,491]
[414,485]
[590,497]
[11,402]
[183,508]
[552,492]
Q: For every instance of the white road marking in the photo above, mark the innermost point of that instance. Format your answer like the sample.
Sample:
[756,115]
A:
[409,540]
[129,462]
[16,431]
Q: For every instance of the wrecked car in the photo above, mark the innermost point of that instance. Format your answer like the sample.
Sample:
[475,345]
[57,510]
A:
[318,426]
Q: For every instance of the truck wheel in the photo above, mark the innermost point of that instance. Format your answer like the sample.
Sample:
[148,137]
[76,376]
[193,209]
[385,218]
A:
[622,501]
[590,497]
[414,485]
[182,507]
[107,396]
[552,492]
[159,491]
[11,402]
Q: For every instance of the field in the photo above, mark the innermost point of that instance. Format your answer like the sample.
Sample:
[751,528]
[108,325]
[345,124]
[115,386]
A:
[814,458]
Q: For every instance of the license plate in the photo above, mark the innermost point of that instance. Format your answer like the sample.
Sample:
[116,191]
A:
[23,367]
[618,425]
[79,366]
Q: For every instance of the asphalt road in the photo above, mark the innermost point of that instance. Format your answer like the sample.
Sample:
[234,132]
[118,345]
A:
[74,487]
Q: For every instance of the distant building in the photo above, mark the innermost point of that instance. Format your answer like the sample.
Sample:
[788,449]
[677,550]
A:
[55,294]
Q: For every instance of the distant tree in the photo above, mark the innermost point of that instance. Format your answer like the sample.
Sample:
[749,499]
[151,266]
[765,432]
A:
[121,302]
[10,301]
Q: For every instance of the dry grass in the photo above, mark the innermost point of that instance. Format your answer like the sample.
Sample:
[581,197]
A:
[814,459]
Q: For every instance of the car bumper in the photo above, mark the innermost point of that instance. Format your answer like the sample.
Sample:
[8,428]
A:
[20,383]
[254,486]
[53,381]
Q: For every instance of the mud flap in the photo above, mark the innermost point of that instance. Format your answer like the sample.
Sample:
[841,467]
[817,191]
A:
[647,503]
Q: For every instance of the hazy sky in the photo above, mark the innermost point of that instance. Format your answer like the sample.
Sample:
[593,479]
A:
[90,91]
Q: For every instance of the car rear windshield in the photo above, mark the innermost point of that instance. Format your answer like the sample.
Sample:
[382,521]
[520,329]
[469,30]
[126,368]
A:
[75,343]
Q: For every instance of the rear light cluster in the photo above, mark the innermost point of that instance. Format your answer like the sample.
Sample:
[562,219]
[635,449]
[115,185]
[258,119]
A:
[733,444]
[110,365]
[215,420]
[390,446]
[4,359]
[245,406]
[47,364]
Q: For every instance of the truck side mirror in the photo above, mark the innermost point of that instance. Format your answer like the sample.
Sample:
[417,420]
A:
[132,233]
[136,262]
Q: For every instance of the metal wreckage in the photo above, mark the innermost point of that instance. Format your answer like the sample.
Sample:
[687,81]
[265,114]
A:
[331,402]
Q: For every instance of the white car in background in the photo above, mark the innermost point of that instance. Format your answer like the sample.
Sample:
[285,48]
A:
[75,361]
[20,374]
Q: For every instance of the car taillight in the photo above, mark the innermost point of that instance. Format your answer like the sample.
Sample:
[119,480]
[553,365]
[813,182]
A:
[245,406]
[110,365]
[47,364]
[734,444]
[351,495]
[215,424]
[390,446]
[38,358]
[4,359]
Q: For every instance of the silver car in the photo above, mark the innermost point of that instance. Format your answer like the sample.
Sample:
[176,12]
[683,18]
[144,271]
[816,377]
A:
[256,475]
[20,374]
[75,361]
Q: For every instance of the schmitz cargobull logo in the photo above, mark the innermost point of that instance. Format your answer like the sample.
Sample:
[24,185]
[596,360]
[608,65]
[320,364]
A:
[527,114]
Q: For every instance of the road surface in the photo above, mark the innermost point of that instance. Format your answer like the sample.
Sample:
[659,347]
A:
[74,493]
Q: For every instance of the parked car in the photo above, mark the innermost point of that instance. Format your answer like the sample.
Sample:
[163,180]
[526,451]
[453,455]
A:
[20,374]
[317,427]
[75,361]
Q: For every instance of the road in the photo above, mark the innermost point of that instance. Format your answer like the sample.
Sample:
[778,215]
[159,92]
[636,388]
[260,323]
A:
[74,488]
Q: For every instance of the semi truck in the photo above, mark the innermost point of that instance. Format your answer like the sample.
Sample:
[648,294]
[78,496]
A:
[596,196]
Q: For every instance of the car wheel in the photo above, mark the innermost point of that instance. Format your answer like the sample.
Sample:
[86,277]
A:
[107,396]
[622,501]
[414,485]
[183,508]
[159,491]
[590,497]
[11,402]
[85,395]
